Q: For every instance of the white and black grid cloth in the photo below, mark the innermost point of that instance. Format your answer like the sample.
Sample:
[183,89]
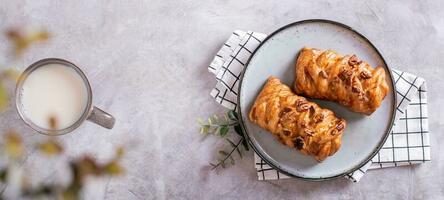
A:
[407,144]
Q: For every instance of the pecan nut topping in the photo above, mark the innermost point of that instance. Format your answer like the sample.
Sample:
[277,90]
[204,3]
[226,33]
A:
[299,143]
[356,89]
[285,110]
[334,84]
[323,74]
[312,110]
[286,132]
[303,124]
[340,125]
[318,118]
[302,106]
[362,96]
[309,132]
[335,80]
[356,85]
[365,74]
[345,75]
[354,60]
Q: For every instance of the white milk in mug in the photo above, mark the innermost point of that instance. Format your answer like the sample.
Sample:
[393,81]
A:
[54,95]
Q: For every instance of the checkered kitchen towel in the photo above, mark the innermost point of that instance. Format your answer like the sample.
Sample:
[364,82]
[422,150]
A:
[407,144]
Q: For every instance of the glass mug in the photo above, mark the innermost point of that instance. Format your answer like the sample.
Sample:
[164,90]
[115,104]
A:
[90,112]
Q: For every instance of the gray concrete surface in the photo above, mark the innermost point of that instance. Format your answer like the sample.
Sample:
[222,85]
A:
[147,60]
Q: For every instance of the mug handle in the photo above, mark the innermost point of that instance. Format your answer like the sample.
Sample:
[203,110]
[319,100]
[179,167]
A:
[102,118]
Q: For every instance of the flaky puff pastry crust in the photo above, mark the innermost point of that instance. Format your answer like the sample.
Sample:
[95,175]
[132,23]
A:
[343,79]
[297,122]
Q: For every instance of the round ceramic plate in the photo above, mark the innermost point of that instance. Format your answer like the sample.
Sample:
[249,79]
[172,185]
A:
[276,56]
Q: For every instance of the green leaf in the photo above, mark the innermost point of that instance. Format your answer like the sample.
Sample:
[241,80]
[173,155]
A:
[224,153]
[22,41]
[240,132]
[13,145]
[232,160]
[119,153]
[204,129]
[222,163]
[200,121]
[210,122]
[3,174]
[215,119]
[233,115]
[113,168]
[215,130]
[3,98]
[227,119]
[223,130]
[11,74]
[50,147]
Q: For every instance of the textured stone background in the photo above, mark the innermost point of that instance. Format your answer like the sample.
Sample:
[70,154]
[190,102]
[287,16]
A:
[147,60]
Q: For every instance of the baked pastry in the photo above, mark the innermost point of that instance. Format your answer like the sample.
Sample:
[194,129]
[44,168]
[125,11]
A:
[297,122]
[343,79]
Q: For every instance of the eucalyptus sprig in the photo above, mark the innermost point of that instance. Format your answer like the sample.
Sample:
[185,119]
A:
[220,125]
[217,124]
